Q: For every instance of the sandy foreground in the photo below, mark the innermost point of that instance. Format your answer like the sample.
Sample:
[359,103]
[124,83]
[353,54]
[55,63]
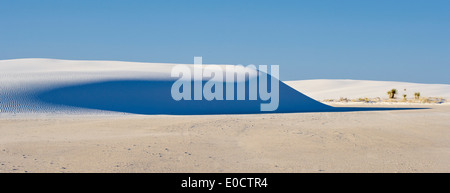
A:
[376,141]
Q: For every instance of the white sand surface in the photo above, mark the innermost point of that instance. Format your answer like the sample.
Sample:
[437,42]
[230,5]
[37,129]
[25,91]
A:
[370,141]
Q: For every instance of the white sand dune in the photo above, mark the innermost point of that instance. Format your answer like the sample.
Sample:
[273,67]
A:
[67,87]
[76,86]
[321,89]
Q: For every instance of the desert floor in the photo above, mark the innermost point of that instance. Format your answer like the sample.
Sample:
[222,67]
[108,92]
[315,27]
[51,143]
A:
[371,141]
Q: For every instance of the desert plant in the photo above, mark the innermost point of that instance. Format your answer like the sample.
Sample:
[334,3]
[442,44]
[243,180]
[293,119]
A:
[404,97]
[392,93]
[417,95]
[342,99]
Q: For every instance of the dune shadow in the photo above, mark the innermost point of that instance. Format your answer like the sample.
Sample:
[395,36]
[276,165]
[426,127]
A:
[154,97]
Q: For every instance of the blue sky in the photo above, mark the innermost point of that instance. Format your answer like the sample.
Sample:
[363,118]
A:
[401,40]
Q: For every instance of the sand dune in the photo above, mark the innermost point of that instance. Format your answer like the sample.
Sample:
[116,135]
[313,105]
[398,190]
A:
[321,89]
[67,87]
[93,87]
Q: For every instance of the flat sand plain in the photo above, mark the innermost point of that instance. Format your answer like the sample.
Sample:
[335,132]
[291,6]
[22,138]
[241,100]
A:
[369,141]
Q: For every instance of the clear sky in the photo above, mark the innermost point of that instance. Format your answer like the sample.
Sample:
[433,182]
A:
[400,40]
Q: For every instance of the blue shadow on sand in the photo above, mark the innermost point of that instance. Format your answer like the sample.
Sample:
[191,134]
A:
[154,97]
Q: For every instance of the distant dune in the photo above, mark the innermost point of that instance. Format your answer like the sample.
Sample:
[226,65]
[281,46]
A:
[321,89]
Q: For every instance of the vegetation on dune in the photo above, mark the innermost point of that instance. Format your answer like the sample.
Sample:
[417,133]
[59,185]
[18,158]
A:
[392,93]
[416,95]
